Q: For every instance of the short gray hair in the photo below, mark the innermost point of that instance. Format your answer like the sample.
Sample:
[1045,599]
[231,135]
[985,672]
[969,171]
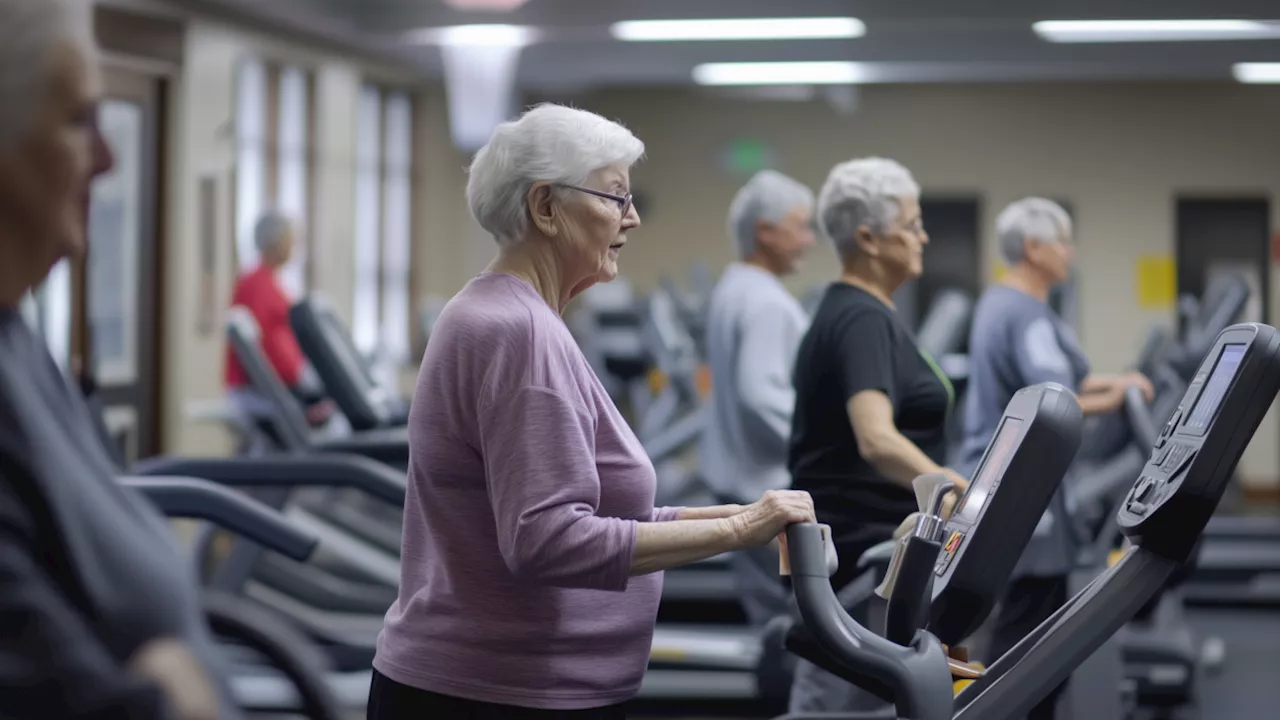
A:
[768,195]
[30,31]
[1032,217]
[860,193]
[271,227]
[550,143]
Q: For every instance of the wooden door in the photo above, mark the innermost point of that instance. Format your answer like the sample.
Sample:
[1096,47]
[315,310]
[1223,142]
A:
[116,321]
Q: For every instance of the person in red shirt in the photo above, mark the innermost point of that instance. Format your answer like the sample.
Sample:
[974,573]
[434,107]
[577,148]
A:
[259,291]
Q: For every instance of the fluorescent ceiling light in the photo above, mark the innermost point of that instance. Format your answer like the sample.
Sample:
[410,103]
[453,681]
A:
[1257,72]
[779,73]
[1066,31]
[740,29]
[484,35]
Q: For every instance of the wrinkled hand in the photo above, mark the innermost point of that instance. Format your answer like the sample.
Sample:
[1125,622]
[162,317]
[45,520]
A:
[953,497]
[171,665]
[961,482]
[763,520]
[1140,381]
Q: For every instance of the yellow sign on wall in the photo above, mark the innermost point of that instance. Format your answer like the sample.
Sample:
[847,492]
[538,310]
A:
[999,272]
[1156,282]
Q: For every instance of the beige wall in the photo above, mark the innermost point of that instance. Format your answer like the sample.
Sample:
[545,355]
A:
[1119,153]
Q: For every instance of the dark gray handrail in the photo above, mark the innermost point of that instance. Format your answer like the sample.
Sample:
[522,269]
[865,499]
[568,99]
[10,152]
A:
[309,470]
[189,497]
[918,674]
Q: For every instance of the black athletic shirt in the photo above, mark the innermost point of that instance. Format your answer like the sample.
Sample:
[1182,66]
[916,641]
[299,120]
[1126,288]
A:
[858,343]
[89,571]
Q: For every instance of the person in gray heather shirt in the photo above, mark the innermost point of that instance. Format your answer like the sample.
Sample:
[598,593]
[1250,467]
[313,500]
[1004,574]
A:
[1017,340]
[754,326]
[100,612]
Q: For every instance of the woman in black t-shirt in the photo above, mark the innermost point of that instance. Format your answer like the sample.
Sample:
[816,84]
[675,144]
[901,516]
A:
[871,407]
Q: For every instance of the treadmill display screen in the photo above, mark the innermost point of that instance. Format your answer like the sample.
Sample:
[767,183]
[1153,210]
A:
[1216,388]
[980,487]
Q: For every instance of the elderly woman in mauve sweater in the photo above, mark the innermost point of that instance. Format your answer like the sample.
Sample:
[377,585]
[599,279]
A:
[532,556]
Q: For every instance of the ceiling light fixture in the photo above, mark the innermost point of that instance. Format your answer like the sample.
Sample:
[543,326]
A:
[486,5]
[1257,72]
[1068,31]
[484,35]
[812,28]
[780,73]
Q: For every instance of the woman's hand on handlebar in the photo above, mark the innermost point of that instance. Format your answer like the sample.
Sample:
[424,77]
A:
[1140,381]
[187,686]
[763,520]
[953,497]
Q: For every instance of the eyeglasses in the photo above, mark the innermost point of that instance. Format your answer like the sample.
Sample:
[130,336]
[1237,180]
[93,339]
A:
[916,228]
[624,201]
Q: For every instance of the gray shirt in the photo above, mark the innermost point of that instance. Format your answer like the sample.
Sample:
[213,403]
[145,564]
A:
[754,327]
[89,571]
[1017,341]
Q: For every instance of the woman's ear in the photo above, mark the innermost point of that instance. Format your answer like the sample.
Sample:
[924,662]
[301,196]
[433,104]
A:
[542,209]
[866,242]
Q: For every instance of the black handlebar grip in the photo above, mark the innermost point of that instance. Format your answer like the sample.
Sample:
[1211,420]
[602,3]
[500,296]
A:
[908,608]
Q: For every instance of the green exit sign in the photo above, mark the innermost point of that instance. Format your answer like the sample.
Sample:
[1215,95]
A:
[746,156]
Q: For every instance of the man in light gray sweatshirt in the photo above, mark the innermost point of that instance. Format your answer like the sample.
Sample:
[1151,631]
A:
[754,326]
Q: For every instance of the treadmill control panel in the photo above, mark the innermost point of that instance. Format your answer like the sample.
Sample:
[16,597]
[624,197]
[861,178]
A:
[1231,391]
[948,552]
[1024,464]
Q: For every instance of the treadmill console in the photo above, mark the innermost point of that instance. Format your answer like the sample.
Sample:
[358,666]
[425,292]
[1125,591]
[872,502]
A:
[1024,463]
[1172,501]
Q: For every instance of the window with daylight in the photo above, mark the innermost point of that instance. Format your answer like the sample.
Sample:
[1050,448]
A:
[383,300]
[274,141]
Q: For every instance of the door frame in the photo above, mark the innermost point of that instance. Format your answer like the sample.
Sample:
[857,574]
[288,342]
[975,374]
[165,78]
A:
[1264,256]
[146,85]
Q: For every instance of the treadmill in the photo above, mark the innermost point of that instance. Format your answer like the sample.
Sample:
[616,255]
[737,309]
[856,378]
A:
[346,376]
[947,575]
[388,445]
[339,597]
[272,667]
[1163,516]
[368,407]
[1034,448]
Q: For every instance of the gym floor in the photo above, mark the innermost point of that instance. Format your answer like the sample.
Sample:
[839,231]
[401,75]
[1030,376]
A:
[1245,688]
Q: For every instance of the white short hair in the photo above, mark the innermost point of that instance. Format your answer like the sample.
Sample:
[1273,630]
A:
[30,31]
[550,143]
[1033,217]
[862,193]
[768,195]
[270,229]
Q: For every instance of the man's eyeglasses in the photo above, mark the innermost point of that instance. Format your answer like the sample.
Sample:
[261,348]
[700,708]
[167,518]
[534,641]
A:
[624,201]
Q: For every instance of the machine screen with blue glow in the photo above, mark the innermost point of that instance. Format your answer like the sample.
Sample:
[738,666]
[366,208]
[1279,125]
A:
[1216,388]
[1005,443]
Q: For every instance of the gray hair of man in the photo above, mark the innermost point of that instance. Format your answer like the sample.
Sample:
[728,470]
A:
[30,32]
[1035,218]
[270,230]
[550,143]
[768,195]
[862,193]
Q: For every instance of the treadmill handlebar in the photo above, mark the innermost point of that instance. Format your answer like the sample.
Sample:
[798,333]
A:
[917,674]
[188,497]
[1140,420]
[310,470]
[912,592]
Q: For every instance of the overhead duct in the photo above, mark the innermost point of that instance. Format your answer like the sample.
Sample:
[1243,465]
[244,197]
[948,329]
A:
[480,66]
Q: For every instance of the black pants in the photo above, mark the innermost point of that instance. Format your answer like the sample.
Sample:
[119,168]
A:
[1027,603]
[389,700]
